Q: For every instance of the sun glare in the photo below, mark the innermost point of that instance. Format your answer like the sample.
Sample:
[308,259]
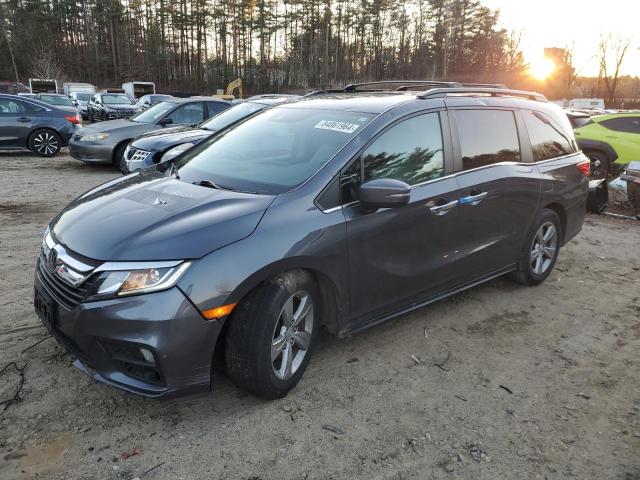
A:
[541,69]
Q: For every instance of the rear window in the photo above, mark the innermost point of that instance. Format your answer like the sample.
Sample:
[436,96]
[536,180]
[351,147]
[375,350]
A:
[487,137]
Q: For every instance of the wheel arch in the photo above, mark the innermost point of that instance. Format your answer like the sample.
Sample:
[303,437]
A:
[115,150]
[561,212]
[598,146]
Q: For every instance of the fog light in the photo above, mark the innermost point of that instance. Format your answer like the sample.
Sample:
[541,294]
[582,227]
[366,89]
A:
[148,356]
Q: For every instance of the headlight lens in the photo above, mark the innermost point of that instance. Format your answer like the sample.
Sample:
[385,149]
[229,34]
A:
[117,283]
[94,137]
[175,151]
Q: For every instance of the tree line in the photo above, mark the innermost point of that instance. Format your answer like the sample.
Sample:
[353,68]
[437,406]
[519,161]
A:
[273,45]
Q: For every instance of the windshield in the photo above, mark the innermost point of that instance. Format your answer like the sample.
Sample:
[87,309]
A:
[232,115]
[272,152]
[116,99]
[84,97]
[154,113]
[57,100]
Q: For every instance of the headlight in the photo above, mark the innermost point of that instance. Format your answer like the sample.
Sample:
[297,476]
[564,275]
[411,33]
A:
[94,137]
[112,281]
[175,151]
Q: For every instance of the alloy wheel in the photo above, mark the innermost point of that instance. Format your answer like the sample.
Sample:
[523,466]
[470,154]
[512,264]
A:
[45,143]
[292,335]
[543,248]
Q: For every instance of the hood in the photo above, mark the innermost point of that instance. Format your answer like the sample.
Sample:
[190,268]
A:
[116,106]
[159,141]
[152,217]
[115,125]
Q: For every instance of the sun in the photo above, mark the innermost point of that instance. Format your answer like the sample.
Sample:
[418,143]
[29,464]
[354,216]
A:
[541,69]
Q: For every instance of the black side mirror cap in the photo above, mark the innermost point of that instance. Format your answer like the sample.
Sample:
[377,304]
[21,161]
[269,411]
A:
[384,193]
[165,121]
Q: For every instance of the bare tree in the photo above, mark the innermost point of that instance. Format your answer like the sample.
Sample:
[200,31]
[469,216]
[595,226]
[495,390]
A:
[45,65]
[611,53]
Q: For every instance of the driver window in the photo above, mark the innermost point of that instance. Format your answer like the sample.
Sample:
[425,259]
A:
[410,151]
[188,114]
[11,106]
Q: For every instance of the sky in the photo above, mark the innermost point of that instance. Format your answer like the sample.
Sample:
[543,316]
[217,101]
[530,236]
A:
[561,23]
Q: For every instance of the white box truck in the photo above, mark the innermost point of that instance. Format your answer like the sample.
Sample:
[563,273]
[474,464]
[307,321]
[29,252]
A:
[41,85]
[77,87]
[135,90]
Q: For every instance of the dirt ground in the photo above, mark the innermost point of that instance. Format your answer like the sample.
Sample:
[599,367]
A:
[499,382]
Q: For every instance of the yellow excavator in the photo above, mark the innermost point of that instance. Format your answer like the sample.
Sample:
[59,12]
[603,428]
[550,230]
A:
[233,86]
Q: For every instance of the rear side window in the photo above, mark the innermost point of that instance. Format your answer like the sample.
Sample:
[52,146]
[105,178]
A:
[11,106]
[216,107]
[623,124]
[487,137]
[547,139]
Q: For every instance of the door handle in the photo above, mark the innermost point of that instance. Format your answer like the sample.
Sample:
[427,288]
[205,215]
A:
[473,199]
[444,208]
[24,119]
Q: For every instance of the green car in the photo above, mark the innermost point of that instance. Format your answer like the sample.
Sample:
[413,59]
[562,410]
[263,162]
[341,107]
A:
[610,142]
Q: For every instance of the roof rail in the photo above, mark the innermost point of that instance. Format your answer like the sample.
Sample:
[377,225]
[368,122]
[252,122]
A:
[402,85]
[485,85]
[488,91]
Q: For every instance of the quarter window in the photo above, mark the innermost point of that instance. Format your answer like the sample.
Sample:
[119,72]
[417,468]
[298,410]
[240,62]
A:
[487,137]
[623,124]
[547,139]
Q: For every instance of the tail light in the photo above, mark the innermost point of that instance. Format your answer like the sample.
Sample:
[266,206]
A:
[584,167]
[76,119]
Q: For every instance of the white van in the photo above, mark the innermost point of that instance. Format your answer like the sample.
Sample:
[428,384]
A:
[135,90]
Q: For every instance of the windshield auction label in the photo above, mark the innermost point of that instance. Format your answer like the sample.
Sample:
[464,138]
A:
[343,127]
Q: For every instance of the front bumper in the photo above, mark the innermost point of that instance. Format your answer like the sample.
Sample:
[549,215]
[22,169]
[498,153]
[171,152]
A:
[106,338]
[91,152]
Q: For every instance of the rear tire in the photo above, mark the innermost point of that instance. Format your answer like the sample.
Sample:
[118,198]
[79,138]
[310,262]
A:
[540,250]
[599,165]
[44,142]
[271,334]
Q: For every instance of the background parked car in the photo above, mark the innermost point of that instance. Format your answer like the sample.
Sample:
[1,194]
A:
[105,142]
[38,126]
[147,101]
[164,145]
[108,106]
[610,142]
[80,100]
[60,101]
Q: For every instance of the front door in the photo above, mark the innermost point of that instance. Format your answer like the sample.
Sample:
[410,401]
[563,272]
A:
[401,254]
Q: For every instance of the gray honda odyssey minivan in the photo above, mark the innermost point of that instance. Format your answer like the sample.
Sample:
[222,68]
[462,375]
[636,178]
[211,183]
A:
[340,211]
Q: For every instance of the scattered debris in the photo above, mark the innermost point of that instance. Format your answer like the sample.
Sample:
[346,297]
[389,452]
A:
[460,397]
[583,395]
[13,455]
[446,465]
[16,396]
[477,452]
[35,344]
[146,472]
[425,333]
[333,429]
[131,453]
[506,389]
[416,359]
[353,360]
[441,365]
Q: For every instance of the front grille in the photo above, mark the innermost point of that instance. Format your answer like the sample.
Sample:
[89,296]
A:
[138,155]
[64,293]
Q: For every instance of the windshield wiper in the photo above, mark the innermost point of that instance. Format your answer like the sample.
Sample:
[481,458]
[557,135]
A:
[210,184]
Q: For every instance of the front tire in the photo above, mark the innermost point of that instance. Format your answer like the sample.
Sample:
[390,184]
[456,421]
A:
[540,250]
[45,143]
[271,334]
[118,158]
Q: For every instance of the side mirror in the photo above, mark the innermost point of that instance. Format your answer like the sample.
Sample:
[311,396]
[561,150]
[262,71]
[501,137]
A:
[384,193]
[165,121]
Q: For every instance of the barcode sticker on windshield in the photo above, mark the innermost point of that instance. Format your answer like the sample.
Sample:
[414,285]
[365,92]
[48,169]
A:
[343,127]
